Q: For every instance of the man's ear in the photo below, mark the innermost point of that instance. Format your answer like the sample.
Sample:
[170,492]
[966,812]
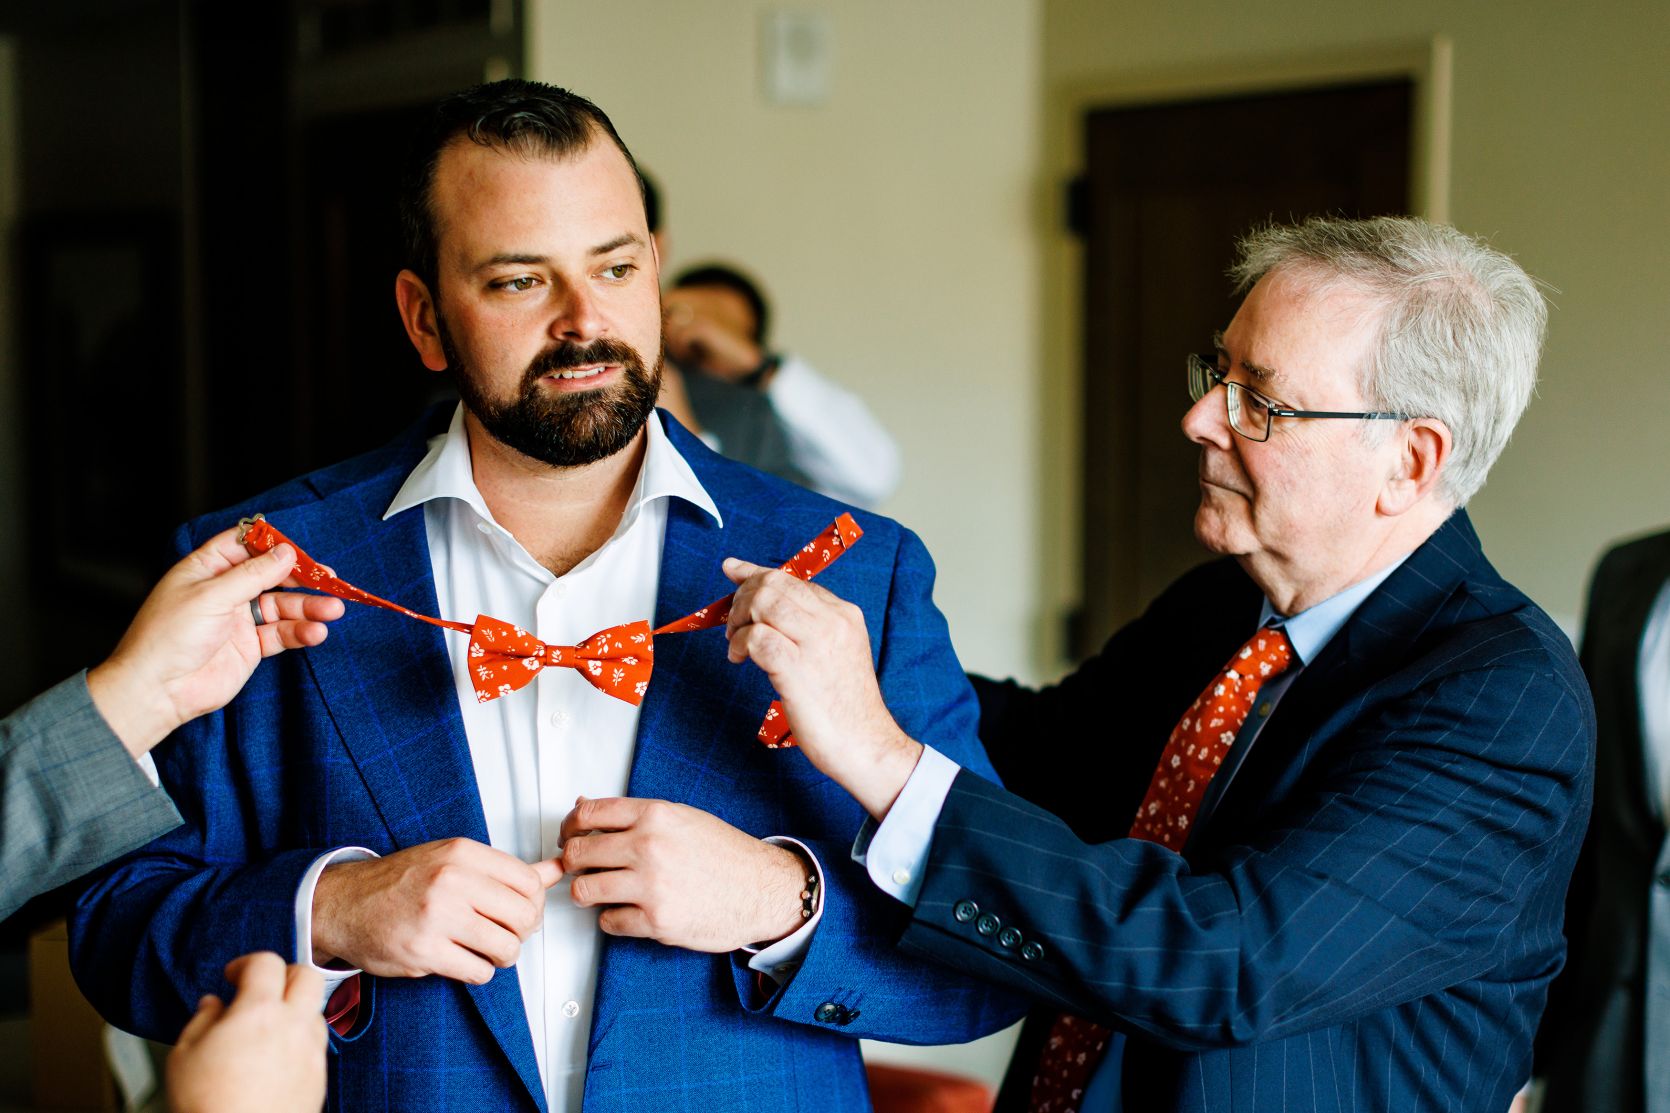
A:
[1423,448]
[417,313]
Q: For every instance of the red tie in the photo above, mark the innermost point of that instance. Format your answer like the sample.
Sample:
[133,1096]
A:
[1192,756]
[616,661]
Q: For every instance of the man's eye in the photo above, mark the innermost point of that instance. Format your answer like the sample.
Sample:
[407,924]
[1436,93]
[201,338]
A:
[519,284]
[620,271]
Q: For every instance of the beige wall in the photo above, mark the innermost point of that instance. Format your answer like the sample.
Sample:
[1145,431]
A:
[891,227]
[1560,118]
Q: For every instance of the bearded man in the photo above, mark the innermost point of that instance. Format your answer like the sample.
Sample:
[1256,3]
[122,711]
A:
[360,809]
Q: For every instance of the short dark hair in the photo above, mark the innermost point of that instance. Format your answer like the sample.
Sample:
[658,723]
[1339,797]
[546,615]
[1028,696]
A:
[729,278]
[652,201]
[523,117]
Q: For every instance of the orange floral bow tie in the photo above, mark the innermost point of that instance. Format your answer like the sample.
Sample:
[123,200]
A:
[616,661]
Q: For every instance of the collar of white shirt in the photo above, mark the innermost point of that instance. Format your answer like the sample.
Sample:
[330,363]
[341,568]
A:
[445,472]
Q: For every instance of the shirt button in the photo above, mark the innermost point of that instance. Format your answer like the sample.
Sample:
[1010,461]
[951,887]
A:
[571,1009]
[558,590]
[559,719]
[901,876]
[484,527]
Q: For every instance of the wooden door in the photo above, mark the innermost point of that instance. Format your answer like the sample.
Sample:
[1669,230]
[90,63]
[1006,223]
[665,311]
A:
[1167,189]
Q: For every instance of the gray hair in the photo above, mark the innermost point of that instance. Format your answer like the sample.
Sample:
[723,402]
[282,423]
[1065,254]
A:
[1461,327]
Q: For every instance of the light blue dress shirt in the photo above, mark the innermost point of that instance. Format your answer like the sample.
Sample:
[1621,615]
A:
[895,853]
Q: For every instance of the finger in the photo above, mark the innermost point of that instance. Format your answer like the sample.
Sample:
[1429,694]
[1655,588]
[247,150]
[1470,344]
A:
[296,606]
[627,920]
[491,941]
[510,871]
[550,871]
[463,965]
[518,914]
[276,637]
[608,887]
[737,570]
[612,813]
[768,648]
[602,851]
[258,977]
[209,1010]
[303,985]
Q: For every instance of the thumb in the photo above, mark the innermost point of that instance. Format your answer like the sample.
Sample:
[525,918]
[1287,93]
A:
[736,570]
[243,582]
[549,871]
[209,1010]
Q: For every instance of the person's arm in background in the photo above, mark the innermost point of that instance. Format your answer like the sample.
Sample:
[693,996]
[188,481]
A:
[74,793]
[834,439]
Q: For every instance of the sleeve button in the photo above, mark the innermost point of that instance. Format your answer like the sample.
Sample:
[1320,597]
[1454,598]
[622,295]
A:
[827,1013]
[965,911]
[988,924]
[1009,937]
[1033,950]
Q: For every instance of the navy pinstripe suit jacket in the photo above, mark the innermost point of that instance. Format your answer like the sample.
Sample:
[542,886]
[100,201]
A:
[1366,918]
[360,742]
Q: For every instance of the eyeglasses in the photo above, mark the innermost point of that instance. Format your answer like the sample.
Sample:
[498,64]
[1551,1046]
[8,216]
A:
[1249,411]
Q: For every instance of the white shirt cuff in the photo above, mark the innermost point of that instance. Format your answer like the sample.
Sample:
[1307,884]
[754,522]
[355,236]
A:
[781,959]
[896,852]
[304,914]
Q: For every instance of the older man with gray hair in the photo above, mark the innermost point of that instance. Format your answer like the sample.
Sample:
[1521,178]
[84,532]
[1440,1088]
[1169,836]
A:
[1333,878]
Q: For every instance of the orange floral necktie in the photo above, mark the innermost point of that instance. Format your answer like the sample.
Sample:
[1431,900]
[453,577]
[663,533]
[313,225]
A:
[618,661]
[1193,754]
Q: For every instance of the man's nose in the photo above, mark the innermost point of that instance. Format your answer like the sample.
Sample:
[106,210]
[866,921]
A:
[1207,421]
[580,319]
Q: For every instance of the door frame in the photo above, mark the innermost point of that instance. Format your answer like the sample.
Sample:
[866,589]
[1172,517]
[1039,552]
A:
[1426,63]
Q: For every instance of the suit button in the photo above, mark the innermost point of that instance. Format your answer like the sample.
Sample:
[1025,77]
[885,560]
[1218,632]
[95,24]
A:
[828,1012]
[1009,937]
[847,1017]
[1033,951]
[987,924]
[965,911]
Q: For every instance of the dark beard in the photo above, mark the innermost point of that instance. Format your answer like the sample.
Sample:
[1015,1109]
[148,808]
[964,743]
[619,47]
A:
[564,430]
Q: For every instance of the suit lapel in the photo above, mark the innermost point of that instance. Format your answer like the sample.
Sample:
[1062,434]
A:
[1390,619]
[402,727]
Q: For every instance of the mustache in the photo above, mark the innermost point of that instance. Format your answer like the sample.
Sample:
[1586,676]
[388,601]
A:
[569,355]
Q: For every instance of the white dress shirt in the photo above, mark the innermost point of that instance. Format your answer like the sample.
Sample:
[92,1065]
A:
[536,751]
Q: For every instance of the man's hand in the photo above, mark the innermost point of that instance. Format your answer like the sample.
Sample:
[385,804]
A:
[457,908]
[265,1052]
[679,876]
[194,642]
[815,648]
[698,336]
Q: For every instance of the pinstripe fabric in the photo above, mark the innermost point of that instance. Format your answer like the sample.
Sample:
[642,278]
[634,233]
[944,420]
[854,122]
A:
[359,741]
[1369,917]
[71,797]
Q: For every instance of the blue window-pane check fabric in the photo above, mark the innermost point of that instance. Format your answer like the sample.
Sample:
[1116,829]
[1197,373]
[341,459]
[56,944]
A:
[359,742]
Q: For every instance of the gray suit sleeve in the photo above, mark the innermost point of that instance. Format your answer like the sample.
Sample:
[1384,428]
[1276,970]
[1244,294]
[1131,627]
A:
[71,797]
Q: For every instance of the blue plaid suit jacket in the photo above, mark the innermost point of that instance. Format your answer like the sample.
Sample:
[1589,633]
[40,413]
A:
[360,741]
[1368,913]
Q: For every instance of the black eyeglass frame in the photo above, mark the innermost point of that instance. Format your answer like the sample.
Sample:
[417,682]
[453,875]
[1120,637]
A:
[1203,369]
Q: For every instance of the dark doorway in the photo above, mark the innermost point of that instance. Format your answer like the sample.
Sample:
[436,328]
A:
[1167,189]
